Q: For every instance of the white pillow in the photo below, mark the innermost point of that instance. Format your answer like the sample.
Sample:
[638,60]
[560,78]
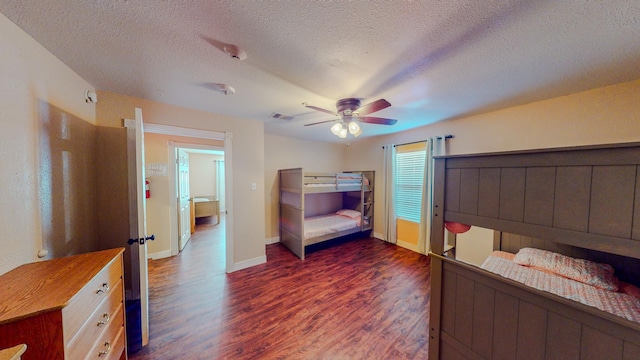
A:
[349,213]
[585,271]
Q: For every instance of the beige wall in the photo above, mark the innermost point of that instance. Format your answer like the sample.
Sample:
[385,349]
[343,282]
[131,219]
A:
[599,116]
[67,170]
[475,245]
[202,174]
[247,160]
[158,210]
[285,153]
[32,80]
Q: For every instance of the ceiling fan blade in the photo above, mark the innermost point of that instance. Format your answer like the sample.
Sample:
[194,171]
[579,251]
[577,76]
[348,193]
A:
[373,107]
[321,122]
[377,120]
[322,110]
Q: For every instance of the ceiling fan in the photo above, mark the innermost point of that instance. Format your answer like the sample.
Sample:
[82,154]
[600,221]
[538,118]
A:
[350,112]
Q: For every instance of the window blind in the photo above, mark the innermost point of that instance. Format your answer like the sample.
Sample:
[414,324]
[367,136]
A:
[409,177]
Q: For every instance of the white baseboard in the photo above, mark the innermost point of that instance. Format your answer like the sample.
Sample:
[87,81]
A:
[159,255]
[377,235]
[249,263]
[272,240]
[407,245]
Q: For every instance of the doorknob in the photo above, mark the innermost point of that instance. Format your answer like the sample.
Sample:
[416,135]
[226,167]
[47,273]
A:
[141,240]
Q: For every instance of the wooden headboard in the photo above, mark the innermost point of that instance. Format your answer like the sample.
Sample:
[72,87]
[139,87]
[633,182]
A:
[587,197]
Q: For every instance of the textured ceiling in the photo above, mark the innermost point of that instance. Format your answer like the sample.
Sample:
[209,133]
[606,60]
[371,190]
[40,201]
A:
[432,60]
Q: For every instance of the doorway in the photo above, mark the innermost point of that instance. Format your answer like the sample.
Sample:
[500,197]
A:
[200,184]
[205,188]
[165,148]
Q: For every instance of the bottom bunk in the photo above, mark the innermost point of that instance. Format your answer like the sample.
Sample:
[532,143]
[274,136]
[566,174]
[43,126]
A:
[316,229]
[586,282]
[494,312]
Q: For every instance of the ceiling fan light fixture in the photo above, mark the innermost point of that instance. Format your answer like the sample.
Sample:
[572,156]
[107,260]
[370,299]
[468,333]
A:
[349,111]
[336,128]
[343,133]
[354,128]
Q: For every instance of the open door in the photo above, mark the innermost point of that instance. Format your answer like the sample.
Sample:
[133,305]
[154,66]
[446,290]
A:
[137,297]
[184,199]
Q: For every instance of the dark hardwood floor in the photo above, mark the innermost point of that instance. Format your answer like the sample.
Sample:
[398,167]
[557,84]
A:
[357,299]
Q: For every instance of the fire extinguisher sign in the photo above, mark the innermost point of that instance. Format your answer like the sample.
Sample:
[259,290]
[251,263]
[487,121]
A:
[146,188]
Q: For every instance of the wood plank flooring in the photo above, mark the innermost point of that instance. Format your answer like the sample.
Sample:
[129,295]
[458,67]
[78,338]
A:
[357,299]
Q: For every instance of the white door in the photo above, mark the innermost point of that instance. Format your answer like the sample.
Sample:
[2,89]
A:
[184,199]
[138,296]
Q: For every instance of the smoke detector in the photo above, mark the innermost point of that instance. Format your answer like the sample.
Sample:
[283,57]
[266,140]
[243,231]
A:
[235,52]
[90,97]
[224,88]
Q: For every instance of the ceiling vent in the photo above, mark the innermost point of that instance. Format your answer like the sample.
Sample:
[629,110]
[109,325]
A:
[281,116]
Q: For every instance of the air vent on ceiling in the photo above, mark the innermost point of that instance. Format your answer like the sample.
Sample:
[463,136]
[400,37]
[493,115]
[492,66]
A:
[281,116]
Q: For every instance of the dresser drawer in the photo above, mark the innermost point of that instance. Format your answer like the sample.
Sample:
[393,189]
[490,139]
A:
[109,311]
[85,302]
[109,345]
[53,307]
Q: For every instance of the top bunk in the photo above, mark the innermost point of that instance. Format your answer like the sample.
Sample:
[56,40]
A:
[299,181]
[587,197]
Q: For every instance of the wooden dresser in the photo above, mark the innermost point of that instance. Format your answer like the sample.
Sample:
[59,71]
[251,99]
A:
[66,308]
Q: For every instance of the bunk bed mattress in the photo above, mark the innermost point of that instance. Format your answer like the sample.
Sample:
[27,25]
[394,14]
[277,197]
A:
[617,303]
[333,181]
[316,226]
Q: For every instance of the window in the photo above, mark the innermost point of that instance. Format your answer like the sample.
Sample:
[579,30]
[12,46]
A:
[409,176]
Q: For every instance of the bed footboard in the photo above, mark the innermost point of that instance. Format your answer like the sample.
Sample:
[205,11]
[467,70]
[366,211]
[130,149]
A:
[479,315]
[292,228]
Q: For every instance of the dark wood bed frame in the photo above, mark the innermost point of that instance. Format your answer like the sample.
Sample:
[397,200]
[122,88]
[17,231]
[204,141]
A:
[581,201]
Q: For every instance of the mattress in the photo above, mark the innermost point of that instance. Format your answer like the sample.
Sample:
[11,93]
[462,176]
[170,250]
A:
[333,181]
[316,226]
[616,303]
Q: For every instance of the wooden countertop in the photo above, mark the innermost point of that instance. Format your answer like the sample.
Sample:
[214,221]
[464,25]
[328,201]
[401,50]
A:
[41,292]
[13,353]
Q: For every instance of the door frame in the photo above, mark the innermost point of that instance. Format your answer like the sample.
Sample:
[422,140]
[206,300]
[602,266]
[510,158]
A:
[181,241]
[227,137]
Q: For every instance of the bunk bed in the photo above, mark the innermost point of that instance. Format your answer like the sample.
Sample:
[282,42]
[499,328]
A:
[581,202]
[316,207]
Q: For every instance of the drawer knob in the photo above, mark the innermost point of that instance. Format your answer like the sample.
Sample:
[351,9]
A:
[103,289]
[104,352]
[105,319]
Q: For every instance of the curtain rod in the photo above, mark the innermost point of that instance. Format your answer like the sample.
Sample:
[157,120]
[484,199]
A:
[415,142]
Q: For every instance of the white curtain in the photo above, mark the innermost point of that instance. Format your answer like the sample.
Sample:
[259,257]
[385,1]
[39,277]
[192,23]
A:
[389,224]
[219,169]
[435,146]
